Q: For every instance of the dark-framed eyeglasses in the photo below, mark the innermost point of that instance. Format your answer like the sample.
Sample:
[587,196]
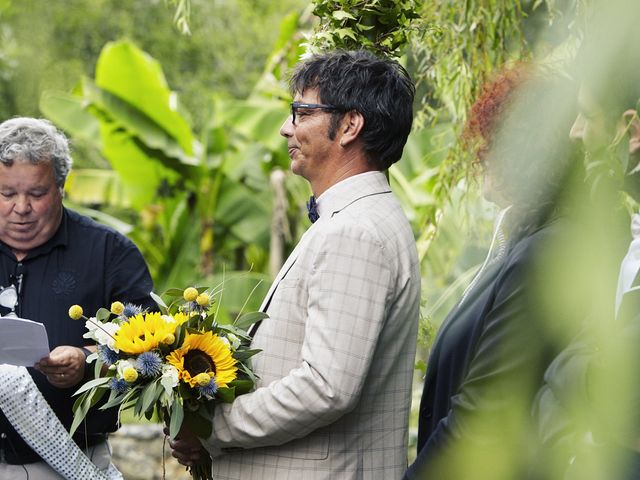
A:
[296,105]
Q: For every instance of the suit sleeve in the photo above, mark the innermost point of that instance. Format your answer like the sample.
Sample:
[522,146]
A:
[494,396]
[348,290]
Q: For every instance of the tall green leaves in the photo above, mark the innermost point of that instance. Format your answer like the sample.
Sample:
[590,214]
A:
[201,203]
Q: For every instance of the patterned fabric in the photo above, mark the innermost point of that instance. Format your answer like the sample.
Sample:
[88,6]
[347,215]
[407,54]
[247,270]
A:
[42,430]
[312,209]
[338,350]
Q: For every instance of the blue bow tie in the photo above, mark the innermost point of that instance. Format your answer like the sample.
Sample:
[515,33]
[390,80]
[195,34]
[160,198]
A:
[312,209]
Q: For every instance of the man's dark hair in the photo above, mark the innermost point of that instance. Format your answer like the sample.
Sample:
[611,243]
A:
[378,88]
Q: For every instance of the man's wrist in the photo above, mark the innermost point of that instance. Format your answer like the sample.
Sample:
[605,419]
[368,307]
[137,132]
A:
[86,352]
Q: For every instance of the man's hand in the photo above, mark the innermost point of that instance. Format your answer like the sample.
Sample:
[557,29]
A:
[64,367]
[186,447]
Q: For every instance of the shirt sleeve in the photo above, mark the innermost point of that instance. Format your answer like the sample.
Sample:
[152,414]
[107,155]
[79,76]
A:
[348,289]
[127,275]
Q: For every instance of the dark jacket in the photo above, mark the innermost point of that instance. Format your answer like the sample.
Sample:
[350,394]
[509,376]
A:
[484,368]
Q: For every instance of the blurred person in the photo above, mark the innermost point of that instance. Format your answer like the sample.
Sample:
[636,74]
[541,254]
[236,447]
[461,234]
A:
[53,257]
[588,408]
[338,348]
[491,351]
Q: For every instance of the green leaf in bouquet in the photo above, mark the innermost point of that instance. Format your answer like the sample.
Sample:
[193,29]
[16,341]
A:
[137,409]
[185,392]
[174,292]
[97,368]
[177,292]
[226,394]
[128,403]
[121,399]
[248,319]
[208,322]
[159,301]
[177,416]
[179,334]
[92,384]
[146,398]
[248,372]
[199,423]
[193,330]
[150,395]
[241,386]
[103,314]
[238,332]
[149,414]
[245,354]
[80,411]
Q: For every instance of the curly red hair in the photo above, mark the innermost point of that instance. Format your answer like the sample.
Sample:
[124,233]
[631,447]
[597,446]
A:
[489,109]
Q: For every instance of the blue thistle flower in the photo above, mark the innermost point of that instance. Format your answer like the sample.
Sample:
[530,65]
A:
[210,389]
[149,364]
[131,310]
[107,356]
[119,385]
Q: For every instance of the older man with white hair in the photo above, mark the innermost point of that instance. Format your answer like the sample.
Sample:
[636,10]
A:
[54,257]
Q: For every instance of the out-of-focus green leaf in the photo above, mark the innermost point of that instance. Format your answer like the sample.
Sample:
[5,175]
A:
[258,120]
[68,113]
[92,186]
[141,175]
[140,125]
[132,75]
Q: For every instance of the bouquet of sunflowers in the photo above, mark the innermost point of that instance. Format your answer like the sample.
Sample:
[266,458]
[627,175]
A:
[177,363]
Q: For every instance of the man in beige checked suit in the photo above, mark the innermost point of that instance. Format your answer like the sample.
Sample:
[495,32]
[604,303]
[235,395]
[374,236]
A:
[338,346]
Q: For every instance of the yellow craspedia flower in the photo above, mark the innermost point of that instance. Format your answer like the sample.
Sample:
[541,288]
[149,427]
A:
[203,299]
[169,339]
[117,308]
[75,312]
[204,353]
[190,294]
[130,374]
[143,333]
[202,379]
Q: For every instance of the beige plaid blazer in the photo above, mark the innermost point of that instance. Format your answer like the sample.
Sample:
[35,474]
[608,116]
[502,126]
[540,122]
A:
[338,350]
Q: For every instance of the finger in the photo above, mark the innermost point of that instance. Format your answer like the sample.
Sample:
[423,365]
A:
[187,459]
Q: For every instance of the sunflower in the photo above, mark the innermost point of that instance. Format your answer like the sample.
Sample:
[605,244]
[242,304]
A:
[179,318]
[204,353]
[143,333]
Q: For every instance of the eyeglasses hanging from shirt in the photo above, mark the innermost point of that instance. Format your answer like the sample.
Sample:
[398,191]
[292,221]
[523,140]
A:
[10,296]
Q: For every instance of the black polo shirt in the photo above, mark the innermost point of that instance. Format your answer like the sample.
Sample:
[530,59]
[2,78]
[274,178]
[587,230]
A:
[84,263]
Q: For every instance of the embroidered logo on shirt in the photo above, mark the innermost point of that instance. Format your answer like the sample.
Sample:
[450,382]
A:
[64,283]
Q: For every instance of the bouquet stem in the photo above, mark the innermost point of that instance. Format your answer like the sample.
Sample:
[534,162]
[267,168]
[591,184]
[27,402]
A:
[202,469]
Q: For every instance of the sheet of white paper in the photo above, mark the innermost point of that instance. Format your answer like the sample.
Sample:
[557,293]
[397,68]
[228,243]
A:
[22,342]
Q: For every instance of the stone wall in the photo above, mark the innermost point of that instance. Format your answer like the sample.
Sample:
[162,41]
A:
[137,452]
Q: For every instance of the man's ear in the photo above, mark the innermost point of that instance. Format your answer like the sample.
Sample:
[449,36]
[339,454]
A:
[631,118]
[350,127]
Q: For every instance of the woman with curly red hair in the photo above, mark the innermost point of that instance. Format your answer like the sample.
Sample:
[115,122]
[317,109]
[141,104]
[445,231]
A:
[492,349]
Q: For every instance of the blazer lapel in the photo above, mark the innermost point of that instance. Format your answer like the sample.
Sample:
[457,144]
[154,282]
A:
[291,260]
[281,274]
